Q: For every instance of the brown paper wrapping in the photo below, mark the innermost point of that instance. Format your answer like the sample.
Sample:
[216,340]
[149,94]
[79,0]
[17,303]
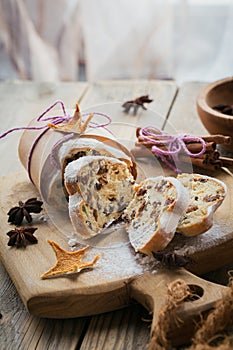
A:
[41,150]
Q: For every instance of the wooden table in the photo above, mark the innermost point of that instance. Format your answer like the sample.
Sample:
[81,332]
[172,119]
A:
[19,103]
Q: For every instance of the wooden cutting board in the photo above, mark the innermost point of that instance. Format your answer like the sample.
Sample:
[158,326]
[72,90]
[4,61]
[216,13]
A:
[119,275]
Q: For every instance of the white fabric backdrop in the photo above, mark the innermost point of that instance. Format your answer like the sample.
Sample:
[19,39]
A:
[179,39]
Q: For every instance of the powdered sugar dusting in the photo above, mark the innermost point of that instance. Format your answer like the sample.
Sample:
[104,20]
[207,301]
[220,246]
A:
[117,262]
[72,170]
[88,143]
[210,239]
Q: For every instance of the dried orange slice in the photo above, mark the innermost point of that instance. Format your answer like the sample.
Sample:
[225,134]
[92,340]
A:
[75,124]
[68,262]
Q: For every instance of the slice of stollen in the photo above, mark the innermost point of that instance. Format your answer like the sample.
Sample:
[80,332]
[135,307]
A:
[94,145]
[154,213]
[206,195]
[86,221]
[104,183]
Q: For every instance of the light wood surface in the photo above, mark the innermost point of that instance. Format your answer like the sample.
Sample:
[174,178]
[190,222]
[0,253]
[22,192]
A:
[183,116]
[99,334]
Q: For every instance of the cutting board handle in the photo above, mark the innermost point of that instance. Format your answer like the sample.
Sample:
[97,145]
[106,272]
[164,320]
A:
[150,290]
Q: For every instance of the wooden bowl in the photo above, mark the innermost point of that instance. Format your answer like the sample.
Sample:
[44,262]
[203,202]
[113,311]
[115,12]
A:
[217,93]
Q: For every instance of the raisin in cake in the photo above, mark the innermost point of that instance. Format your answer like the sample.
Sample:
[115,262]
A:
[206,195]
[88,222]
[104,183]
[154,213]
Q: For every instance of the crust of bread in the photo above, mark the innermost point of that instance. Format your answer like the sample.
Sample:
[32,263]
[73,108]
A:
[165,226]
[105,146]
[203,221]
[79,222]
[75,205]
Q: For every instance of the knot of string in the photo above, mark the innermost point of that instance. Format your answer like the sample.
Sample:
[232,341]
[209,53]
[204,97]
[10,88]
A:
[173,144]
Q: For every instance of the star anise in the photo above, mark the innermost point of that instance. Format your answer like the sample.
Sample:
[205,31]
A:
[16,214]
[225,109]
[20,237]
[136,104]
[172,260]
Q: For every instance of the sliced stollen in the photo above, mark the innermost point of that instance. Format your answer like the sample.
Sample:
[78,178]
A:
[154,213]
[206,195]
[104,183]
[94,145]
[88,222]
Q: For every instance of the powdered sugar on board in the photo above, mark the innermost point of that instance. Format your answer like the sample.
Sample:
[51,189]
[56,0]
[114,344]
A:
[220,233]
[120,261]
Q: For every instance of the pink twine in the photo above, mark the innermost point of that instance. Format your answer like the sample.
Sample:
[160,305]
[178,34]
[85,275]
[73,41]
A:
[97,125]
[55,120]
[174,143]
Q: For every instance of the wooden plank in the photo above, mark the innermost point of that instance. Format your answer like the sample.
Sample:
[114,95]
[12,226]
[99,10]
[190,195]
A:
[20,330]
[108,96]
[183,117]
[119,330]
[20,102]
[162,93]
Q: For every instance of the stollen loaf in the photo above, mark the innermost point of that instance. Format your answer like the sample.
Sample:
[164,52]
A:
[153,214]
[206,195]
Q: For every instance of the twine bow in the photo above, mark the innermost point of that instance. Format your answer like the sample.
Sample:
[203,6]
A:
[174,144]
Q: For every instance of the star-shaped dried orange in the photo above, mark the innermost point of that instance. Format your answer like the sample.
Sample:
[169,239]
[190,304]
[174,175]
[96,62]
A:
[75,124]
[68,262]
